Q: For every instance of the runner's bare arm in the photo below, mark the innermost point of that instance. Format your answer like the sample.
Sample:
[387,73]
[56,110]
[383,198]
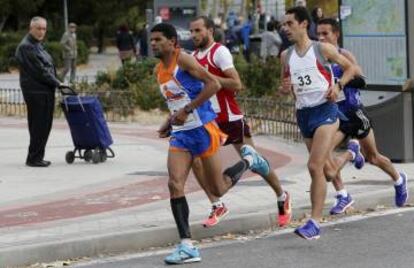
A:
[211,86]
[231,81]
[331,53]
[286,85]
[353,60]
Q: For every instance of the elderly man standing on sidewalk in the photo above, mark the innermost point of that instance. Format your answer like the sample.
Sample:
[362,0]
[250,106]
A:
[70,52]
[38,81]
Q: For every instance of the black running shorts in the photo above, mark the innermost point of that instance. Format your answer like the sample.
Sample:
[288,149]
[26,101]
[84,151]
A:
[358,124]
[236,131]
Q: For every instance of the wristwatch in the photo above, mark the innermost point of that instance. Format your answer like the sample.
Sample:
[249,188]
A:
[188,109]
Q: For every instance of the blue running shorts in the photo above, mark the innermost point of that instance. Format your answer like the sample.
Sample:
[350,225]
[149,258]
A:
[309,119]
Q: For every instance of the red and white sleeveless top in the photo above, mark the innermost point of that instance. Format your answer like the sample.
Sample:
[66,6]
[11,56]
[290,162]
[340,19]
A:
[311,76]
[224,102]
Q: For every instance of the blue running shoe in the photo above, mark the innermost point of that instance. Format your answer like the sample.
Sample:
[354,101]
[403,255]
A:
[359,160]
[183,254]
[341,204]
[309,231]
[260,165]
[401,191]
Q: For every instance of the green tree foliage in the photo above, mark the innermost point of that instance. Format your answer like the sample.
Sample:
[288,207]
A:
[259,78]
[329,7]
[20,9]
[100,17]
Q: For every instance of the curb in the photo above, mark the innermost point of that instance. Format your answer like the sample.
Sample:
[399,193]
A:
[129,241]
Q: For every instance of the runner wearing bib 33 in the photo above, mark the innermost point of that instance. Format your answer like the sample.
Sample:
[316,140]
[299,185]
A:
[306,72]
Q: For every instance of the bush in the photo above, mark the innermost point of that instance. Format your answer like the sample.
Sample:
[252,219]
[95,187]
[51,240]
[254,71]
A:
[259,78]
[11,37]
[85,33]
[7,59]
[55,50]
[83,52]
[138,78]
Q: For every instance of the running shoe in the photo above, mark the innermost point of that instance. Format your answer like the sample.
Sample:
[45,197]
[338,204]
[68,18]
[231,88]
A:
[285,211]
[309,231]
[359,160]
[260,165]
[342,203]
[216,215]
[183,254]
[401,191]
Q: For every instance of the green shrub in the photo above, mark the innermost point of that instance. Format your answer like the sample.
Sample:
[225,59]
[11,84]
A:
[85,33]
[138,79]
[83,52]
[259,78]
[11,37]
[7,59]
[54,48]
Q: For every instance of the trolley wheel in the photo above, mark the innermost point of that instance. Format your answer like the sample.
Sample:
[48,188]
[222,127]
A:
[70,157]
[96,157]
[103,155]
[88,155]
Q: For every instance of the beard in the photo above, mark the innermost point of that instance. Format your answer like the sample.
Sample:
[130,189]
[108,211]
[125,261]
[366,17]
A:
[203,43]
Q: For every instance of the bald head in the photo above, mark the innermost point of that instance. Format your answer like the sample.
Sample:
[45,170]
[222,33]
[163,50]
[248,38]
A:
[38,27]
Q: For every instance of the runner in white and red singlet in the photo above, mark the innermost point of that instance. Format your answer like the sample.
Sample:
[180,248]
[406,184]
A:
[306,68]
[217,59]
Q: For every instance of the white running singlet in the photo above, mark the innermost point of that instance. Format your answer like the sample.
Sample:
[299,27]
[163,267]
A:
[311,76]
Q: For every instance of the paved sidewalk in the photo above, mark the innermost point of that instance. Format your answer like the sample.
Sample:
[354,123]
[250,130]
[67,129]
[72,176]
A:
[84,209]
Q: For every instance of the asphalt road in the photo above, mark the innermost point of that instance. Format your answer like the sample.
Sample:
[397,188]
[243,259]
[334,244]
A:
[381,239]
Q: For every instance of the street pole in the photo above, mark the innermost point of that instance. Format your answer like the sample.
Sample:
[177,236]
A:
[149,14]
[65,13]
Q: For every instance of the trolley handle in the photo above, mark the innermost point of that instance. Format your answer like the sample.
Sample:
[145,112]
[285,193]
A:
[67,90]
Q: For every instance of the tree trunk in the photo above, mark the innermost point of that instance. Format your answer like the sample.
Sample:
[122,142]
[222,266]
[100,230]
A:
[3,22]
[101,45]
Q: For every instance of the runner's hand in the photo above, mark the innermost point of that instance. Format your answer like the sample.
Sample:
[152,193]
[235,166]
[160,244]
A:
[179,118]
[333,93]
[165,129]
[286,86]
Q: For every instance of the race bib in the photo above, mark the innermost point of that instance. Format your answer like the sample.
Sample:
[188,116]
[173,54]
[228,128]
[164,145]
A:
[307,81]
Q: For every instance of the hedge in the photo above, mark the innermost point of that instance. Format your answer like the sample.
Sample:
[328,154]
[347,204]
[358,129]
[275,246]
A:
[260,79]
[7,51]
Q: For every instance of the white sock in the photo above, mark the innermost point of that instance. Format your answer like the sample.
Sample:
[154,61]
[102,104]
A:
[282,197]
[249,159]
[399,181]
[342,192]
[218,203]
[353,155]
[187,242]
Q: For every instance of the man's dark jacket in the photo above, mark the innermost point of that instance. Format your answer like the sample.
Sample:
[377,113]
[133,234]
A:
[37,72]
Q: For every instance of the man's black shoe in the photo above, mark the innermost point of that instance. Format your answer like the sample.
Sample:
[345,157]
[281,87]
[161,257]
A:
[47,162]
[40,163]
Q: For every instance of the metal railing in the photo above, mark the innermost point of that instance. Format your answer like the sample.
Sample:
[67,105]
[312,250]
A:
[271,117]
[265,116]
[117,105]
